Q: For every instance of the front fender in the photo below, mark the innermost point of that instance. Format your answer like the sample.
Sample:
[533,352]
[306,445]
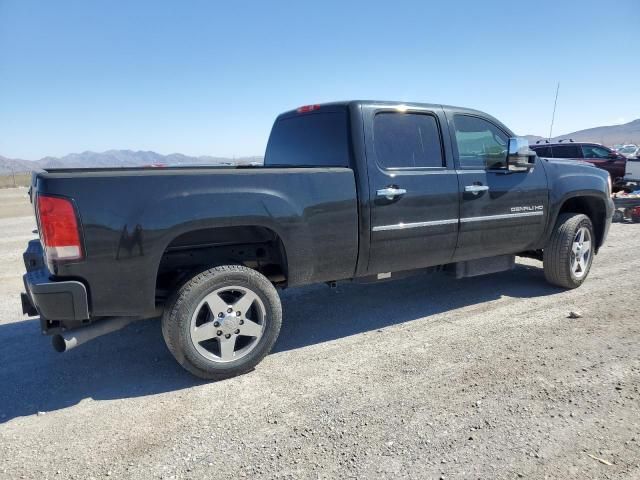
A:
[571,180]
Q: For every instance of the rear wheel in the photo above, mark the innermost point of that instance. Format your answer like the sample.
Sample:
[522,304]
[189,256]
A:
[222,322]
[569,254]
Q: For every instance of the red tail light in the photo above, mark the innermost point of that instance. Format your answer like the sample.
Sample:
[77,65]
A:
[59,228]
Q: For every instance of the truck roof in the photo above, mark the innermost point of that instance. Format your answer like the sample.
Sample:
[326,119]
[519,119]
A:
[328,106]
[390,103]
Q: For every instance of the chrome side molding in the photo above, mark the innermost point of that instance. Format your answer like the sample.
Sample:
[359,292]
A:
[448,221]
[403,226]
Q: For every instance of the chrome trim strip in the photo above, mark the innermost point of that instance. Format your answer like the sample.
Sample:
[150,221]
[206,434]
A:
[501,217]
[506,216]
[403,226]
[434,223]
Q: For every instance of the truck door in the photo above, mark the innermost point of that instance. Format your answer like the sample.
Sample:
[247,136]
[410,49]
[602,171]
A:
[501,211]
[413,188]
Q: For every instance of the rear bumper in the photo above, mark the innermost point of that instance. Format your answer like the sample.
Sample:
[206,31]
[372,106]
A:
[55,301]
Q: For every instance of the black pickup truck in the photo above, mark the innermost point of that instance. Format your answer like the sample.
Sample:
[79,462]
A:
[362,190]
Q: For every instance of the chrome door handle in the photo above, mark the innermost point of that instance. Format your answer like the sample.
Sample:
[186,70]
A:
[391,192]
[475,189]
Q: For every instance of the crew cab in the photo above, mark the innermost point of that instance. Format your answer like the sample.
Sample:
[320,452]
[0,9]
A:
[357,190]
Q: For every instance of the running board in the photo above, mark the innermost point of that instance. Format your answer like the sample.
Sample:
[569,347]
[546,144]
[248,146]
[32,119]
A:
[484,266]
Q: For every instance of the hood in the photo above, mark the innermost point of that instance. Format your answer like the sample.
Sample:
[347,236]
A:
[570,163]
[573,167]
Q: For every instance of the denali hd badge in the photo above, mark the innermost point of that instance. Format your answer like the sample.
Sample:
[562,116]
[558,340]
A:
[528,208]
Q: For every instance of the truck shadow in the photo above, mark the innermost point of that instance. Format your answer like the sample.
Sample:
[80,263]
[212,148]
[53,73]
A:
[318,314]
[134,362]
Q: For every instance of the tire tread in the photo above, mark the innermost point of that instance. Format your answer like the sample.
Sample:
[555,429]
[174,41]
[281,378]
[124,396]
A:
[556,253]
[176,339]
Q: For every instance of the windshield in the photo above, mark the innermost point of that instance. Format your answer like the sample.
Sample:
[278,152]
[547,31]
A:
[628,149]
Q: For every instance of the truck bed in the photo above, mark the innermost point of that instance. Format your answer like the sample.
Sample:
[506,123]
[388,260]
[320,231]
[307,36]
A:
[131,216]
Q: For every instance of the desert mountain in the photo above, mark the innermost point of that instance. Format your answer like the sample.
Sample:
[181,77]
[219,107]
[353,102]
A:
[607,135]
[117,158]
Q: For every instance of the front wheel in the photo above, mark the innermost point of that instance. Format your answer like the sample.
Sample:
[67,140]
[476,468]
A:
[568,256]
[222,322]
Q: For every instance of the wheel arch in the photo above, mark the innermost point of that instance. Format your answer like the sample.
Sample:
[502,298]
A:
[189,251]
[593,206]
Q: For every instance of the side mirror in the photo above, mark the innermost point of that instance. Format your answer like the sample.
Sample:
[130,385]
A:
[520,157]
[613,156]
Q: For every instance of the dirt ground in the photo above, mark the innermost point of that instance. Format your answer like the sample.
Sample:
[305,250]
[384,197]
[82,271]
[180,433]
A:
[426,377]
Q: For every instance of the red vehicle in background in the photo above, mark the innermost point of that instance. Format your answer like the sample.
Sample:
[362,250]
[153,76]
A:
[599,155]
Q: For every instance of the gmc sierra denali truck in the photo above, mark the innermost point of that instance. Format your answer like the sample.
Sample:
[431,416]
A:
[362,190]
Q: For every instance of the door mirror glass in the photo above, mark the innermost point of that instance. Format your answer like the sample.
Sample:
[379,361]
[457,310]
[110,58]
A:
[520,157]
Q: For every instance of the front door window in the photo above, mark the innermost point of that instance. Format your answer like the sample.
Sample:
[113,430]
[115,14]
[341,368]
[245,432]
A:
[594,151]
[481,144]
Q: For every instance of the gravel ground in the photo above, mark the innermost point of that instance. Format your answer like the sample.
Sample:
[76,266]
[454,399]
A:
[426,377]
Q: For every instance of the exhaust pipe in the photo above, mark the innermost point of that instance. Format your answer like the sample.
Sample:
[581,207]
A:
[71,339]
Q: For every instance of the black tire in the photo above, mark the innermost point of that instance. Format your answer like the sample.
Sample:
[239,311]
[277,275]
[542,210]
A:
[557,254]
[176,321]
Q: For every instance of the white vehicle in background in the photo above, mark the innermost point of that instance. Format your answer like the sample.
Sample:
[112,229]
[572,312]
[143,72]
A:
[630,151]
[632,171]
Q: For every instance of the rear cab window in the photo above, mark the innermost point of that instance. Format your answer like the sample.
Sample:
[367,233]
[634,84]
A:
[316,138]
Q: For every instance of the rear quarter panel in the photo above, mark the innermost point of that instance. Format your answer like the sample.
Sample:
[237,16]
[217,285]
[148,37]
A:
[313,211]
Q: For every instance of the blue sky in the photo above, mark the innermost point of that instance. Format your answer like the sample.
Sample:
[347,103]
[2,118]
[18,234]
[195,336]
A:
[208,78]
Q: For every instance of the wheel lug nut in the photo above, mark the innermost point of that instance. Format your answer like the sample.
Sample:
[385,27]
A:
[227,335]
[237,331]
[221,314]
[219,332]
[238,314]
[229,310]
[216,324]
[241,322]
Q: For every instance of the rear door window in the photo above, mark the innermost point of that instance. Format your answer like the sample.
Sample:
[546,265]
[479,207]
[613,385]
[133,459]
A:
[566,151]
[407,140]
[318,139]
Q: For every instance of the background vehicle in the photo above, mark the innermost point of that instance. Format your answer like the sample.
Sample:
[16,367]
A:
[594,153]
[630,151]
[632,173]
[627,205]
[353,190]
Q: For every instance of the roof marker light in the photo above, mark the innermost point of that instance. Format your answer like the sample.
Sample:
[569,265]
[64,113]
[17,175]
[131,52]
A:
[308,108]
